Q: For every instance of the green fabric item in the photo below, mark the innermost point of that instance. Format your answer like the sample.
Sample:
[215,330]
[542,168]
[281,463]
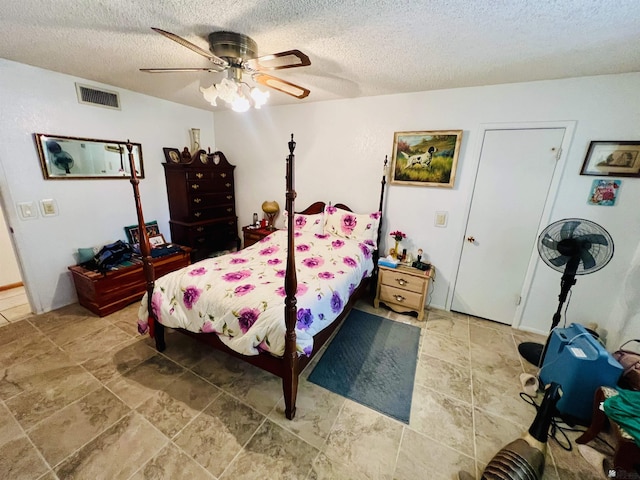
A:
[624,409]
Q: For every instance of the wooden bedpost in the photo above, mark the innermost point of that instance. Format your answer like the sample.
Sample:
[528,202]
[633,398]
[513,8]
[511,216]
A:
[290,374]
[145,251]
[376,254]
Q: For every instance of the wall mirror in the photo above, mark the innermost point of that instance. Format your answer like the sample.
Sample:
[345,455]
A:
[75,157]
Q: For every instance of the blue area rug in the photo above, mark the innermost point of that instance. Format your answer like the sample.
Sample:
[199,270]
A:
[372,361]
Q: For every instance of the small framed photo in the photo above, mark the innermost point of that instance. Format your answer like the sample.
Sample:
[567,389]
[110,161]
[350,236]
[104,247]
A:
[133,235]
[172,155]
[611,158]
[157,241]
[604,192]
[425,159]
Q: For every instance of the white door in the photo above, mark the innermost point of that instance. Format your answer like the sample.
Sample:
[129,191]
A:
[514,174]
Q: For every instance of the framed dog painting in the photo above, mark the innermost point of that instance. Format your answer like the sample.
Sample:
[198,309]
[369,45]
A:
[427,159]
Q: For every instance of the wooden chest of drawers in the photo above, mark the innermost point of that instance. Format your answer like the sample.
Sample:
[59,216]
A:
[403,289]
[202,204]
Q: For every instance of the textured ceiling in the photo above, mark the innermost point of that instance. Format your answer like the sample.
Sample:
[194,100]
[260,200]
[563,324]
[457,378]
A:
[357,47]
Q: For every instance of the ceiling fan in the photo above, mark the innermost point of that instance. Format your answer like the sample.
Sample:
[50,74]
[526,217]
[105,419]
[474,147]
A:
[238,54]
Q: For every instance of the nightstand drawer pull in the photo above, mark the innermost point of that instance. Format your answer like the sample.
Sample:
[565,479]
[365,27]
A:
[401,281]
[199,175]
[197,200]
[195,186]
[399,298]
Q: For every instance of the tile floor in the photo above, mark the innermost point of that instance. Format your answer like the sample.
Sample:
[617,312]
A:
[14,305]
[83,397]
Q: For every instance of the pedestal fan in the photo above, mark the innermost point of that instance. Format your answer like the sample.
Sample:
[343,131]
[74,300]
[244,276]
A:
[573,246]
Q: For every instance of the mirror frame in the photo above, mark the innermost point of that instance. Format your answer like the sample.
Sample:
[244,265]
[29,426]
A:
[47,166]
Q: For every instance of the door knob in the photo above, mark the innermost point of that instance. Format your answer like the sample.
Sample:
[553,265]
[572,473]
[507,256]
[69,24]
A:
[471,239]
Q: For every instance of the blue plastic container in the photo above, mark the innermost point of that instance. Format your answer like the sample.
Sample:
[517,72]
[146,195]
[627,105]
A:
[580,364]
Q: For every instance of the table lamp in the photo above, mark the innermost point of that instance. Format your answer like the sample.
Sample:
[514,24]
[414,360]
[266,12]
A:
[271,209]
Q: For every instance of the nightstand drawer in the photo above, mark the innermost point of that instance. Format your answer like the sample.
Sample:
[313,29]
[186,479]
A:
[411,300]
[403,280]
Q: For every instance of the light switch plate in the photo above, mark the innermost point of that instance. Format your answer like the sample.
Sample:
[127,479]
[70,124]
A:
[441,219]
[27,210]
[49,207]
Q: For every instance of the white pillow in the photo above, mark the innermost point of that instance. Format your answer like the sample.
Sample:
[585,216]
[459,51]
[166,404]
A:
[306,223]
[361,227]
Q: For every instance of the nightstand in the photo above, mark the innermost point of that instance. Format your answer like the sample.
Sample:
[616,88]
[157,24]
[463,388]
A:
[403,289]
[254,234]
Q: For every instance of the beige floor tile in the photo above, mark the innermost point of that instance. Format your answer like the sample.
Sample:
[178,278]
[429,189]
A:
[19,460]
[17,313]
[70,428]
[324,468]
[117,452]
[443,418]
[316,412]
[364,439]
[447,348]
[450,324]
[423,457]
[172,463]
[444,377]
[218,434]
[272,452]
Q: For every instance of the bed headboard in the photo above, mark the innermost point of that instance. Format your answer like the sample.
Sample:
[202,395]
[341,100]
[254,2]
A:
[318,207]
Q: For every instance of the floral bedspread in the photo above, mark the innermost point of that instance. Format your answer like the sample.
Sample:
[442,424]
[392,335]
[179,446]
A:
[240,296]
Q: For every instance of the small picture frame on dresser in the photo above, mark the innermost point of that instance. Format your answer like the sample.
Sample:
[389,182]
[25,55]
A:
[157,241]
[171,155]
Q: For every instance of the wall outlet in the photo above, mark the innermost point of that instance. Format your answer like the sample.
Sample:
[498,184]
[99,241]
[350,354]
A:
[441,219]
[49,207]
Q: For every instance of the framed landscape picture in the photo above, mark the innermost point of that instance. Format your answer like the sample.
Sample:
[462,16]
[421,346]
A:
[427,159]
[614,159]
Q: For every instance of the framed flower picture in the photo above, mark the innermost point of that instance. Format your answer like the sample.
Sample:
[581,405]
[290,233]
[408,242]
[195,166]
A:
[426,159]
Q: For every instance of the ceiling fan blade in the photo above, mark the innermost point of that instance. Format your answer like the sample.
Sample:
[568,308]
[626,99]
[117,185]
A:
[559,261]
[594,238]
[549,242]
[278,61]
[194,48]
[568,229]
[169,70]
[588,262]
[281,85]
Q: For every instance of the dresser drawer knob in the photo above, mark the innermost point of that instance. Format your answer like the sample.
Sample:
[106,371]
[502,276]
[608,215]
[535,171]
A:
[229,210]
[399,298]
[401,281]
[197,214]
[197,200]
[200,229]
[223,175]
[199,175]
[229,197]
[200,240]
[195,186]
[227,185]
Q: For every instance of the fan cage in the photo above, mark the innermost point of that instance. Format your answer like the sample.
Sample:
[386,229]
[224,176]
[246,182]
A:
[552,234]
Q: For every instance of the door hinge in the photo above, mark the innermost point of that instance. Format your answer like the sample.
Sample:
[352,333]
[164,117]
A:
[559,153]
[519,300]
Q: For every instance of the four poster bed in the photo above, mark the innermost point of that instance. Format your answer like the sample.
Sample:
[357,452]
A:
[235,302]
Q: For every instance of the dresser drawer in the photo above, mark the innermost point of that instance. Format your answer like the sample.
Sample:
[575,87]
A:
[207,186]
[403,280]
[206,175]
[408,299]
[215,211]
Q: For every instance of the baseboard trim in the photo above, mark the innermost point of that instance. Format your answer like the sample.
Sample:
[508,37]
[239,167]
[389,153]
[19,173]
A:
[10,286]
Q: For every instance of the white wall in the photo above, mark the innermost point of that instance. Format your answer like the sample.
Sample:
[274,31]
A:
[341,146]
[91,212]
[9,270]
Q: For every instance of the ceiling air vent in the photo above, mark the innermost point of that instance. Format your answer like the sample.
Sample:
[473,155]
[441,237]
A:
[92,96]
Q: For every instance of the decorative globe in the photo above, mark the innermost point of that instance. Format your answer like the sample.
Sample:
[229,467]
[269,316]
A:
[271,209]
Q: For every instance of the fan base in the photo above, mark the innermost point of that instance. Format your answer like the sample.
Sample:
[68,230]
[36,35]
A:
[531,352]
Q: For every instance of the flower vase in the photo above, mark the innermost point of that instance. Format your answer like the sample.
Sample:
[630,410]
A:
[397,250]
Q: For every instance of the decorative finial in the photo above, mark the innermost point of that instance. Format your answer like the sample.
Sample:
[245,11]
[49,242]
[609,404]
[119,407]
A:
[292,145]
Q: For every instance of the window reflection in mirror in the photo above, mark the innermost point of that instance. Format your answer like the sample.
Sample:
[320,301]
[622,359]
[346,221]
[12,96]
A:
[75,157]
